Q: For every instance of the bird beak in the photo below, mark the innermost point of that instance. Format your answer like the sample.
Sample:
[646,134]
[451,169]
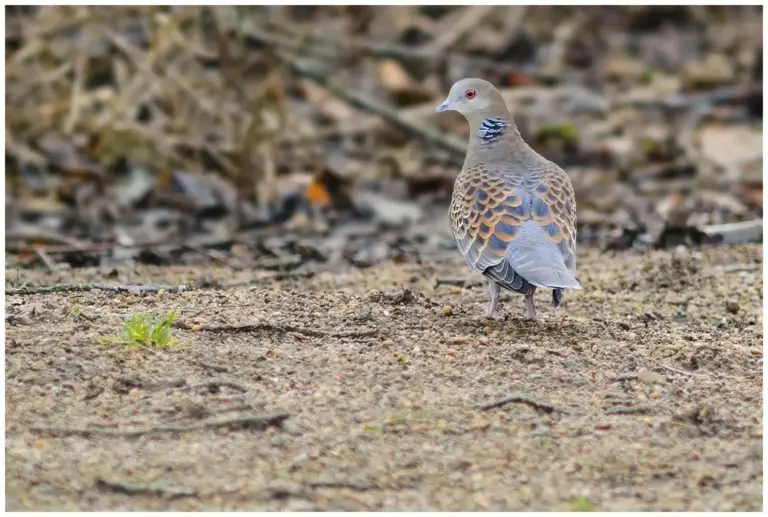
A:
[443,107]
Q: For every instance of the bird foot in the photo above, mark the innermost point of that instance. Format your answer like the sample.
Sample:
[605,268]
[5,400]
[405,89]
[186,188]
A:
[494,315]
[530,309]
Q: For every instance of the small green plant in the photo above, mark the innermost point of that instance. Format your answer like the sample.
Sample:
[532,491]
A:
[143,331]
[581,504]
[77,310]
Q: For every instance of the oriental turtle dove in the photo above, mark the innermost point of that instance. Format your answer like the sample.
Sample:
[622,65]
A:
[513,212]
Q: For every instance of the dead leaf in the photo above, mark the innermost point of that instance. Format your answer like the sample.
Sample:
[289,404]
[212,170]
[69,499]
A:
[325,102]
[393,76]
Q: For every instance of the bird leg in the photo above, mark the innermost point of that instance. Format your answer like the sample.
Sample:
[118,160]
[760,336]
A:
[530,309]
[490,312]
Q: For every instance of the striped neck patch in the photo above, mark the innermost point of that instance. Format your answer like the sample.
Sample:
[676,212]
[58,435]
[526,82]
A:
[491,130]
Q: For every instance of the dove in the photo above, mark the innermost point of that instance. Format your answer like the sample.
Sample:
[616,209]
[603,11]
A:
[513,212]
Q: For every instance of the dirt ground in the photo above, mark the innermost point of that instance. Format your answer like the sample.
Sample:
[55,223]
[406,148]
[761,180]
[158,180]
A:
[643,392]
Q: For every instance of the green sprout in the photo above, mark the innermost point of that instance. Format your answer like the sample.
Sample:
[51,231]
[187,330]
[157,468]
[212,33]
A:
[143,331]
[581,504]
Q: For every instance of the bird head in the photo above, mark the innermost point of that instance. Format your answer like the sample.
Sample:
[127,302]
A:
[476,99]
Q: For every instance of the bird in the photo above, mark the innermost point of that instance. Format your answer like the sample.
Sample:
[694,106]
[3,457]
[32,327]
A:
[512,212]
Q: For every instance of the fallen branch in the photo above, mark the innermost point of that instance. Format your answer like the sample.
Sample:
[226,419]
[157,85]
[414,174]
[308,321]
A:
[157,488]
[736,233]
[682,101]
[214,386]
[260,422]
[628,410]
[360,486]
[456,26]
[330,48]
[145,289]
[519,398]
[38,235]
[46,259]
[388,114]
[250,327]
[69,288]
[741,268]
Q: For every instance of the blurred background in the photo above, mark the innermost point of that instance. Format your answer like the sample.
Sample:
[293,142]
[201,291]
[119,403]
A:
[288,137]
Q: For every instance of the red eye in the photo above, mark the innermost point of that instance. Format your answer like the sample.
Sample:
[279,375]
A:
[470,94]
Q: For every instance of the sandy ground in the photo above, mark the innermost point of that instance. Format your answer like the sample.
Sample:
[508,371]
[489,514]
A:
[643,392]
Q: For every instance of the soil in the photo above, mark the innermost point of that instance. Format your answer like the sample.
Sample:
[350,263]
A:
[642,392]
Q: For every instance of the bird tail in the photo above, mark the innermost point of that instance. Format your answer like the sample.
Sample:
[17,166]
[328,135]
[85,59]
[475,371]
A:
[537,258]
[543,268]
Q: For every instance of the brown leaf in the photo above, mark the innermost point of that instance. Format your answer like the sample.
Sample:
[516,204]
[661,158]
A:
[325,102]
[393,76]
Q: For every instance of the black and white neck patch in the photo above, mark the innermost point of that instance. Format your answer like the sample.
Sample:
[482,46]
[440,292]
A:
[491,130]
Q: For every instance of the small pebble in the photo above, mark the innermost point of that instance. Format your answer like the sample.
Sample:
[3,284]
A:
[649,377]
[732,307]
[447,311]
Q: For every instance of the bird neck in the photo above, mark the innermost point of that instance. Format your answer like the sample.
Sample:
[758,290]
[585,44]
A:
[494,136]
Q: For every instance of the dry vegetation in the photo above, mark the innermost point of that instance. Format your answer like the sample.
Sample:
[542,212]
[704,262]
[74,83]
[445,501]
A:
[200,127]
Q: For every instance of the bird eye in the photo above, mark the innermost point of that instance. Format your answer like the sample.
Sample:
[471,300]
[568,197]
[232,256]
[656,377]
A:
[470,94]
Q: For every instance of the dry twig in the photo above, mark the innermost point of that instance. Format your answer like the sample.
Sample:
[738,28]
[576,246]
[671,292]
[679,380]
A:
[70,288]
[251,327]
[457,26]
[156,488]
[360,486]
[245,421]
[388,114]
[520,398]
[214,386]
[628,410]
[50,264]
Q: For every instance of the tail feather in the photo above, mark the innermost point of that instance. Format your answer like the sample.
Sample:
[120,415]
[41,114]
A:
[538,259]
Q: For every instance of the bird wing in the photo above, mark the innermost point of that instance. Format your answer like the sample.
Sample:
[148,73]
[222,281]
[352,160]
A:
[516,230]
